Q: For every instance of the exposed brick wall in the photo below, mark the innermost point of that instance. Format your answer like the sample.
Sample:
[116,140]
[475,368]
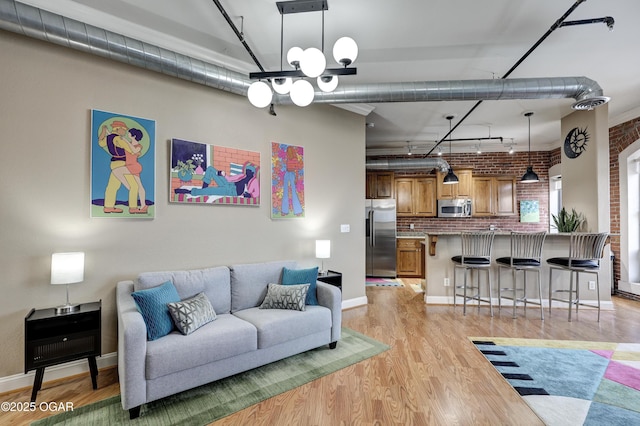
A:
[494,163]
[620,137]
[555,157]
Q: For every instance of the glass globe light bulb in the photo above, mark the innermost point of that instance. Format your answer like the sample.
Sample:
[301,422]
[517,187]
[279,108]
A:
[301,93]
[293,56]
[282,85]
[345,51]
[328,83]
[312,62]
[259,94]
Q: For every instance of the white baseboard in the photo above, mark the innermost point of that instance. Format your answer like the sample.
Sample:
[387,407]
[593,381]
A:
[18,381]
[354,303]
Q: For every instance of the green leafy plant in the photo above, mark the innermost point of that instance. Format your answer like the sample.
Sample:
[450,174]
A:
[568,222]
[183,166]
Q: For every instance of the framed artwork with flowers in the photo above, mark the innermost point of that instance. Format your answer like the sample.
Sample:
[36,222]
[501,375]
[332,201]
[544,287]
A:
[210,174]
[287,181]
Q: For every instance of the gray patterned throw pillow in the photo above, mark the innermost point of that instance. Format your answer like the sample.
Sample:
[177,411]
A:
[191,314]
[286,297]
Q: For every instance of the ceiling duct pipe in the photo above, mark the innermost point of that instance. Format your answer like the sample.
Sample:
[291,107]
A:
[42,25]
[422,164]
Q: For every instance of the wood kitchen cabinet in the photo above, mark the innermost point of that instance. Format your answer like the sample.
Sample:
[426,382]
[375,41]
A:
[463,189]
[409,255]
[494,196]
[379,185]
[415,196]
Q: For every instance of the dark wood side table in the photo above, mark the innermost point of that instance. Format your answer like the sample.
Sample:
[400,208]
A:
[52,339]
[331,277]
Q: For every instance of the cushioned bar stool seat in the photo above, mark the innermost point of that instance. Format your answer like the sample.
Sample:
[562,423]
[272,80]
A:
[585,252]
[476,256]
[525,256]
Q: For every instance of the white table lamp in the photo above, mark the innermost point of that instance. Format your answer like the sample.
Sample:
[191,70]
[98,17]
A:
[323,251]
[67,268]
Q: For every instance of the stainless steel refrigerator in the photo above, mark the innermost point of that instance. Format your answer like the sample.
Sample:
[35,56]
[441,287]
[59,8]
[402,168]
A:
[381,237]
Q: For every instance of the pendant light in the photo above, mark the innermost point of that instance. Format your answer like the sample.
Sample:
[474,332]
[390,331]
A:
[530,175]
[450,178]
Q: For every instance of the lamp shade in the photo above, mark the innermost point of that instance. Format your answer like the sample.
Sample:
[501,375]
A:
[282,85]
[323,249]
[293,56]
[450,177]
[259,94]
[345,51]
[67,268]
[529,176]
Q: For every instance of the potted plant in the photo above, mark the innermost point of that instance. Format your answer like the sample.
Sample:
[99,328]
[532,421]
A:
[185,170]
[568,222]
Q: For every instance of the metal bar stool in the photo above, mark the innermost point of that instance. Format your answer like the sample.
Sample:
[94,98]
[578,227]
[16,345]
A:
[525,256]
[585,252]
[476,256]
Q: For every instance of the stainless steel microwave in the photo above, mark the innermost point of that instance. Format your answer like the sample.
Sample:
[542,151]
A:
[460,207]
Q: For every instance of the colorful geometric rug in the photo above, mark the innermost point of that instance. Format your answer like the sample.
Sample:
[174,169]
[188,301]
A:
[570,382]
[383,282]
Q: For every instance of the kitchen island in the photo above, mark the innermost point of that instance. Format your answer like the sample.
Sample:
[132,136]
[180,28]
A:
[441,246]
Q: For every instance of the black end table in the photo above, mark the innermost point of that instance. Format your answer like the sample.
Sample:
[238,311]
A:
[52,339]
[331,277]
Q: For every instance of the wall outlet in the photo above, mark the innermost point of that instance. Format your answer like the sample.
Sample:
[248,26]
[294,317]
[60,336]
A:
[345,228]
[592,285]
[411,226]
[446,282]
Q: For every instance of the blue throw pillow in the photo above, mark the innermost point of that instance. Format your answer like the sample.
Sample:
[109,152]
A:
[152,304]
[303,276]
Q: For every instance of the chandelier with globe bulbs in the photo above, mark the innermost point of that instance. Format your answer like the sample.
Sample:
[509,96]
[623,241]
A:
[307,63]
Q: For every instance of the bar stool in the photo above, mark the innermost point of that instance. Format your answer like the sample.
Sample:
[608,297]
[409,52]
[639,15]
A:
[476,256]
[525,256]
[585,252]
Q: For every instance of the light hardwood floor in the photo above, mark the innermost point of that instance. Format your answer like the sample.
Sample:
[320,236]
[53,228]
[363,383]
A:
[432,375]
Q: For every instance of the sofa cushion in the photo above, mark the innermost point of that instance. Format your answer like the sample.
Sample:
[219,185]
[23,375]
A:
[249,282]
[277,326]
[191,314]
[152,304]
[225,337]
[214,282]
[303,276]
[285,297]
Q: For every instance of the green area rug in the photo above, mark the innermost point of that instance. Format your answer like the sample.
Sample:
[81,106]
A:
[213,401]
[570,382]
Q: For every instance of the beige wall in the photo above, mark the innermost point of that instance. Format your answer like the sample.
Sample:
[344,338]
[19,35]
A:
[46,94]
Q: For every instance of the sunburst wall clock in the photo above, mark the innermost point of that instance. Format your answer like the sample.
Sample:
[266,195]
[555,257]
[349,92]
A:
[576,142]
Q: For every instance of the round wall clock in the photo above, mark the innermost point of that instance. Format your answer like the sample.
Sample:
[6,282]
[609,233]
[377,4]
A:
[576,142]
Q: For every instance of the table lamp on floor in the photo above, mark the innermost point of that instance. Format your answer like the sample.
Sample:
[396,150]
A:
[67,268]
[323,251]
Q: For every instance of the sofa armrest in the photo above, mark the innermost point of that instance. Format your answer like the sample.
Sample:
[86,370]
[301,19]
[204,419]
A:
[132,348]
[330,297]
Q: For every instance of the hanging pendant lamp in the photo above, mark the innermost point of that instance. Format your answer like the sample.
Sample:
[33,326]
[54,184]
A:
[529,175]
[450,177]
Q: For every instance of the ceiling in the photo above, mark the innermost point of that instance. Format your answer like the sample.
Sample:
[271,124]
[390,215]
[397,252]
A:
[410,40]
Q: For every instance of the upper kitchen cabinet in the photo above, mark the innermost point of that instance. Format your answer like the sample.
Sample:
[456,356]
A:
[462,189]
[379,185]
[416,196]
[494,196]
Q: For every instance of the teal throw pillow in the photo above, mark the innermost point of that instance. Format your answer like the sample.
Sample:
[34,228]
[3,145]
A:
[303,276]
[152,304]
[285,297]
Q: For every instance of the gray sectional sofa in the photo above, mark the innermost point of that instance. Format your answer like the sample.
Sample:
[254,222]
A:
[242,336]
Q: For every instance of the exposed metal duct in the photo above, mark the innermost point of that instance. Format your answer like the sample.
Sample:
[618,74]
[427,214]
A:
[40,24]
[422,164]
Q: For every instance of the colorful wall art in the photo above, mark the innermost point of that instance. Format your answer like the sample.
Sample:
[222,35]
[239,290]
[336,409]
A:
[210,174]
[530,211]
[122,166]
[287,181]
